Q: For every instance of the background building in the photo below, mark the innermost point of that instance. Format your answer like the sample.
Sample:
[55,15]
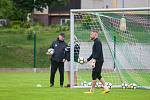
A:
[59,15]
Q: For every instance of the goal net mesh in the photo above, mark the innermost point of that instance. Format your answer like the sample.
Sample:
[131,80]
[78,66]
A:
[125,37]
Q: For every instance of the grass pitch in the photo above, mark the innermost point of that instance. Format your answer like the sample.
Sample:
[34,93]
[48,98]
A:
[22,86]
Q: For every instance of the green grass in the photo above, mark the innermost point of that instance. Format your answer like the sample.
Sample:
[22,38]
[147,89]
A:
[17,52]
[22,86]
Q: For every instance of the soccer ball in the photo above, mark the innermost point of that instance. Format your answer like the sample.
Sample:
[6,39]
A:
[50,51]
[98,84]
[124,85]
[81,60]
[109,85]
[38,85]
[132,86]
[89,84]
[85,83]
[81,84]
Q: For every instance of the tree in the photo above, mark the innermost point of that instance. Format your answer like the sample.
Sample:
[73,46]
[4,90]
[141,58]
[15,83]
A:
[27,6]
[5,8]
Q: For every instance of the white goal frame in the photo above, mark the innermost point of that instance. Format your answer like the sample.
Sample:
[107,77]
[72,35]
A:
[72,12]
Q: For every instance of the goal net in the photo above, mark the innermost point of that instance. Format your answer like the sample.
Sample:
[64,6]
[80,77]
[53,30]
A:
[125,37]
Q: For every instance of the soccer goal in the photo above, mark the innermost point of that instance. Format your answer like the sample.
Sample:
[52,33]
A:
[125,36]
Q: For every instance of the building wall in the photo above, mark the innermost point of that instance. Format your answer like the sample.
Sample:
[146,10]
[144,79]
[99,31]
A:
[137,3]
[92,4]
[62,12]
[41,18]
[98,4]
[72,4]
[130,3]
[46,18]
[56,19]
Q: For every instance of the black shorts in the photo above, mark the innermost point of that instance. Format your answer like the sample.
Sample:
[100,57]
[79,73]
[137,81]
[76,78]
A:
[96,71]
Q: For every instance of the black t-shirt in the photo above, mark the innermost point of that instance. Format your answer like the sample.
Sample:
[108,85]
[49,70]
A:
[76,52]
[97,52]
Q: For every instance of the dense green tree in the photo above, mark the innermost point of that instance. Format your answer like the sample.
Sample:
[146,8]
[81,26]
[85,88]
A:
[5,9]
[27,6]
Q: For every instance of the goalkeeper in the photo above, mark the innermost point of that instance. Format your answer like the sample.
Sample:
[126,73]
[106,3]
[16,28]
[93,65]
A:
[97,62]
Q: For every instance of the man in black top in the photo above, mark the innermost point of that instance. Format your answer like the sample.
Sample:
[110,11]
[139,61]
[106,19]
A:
[67,62]
[97,62]
[58,59]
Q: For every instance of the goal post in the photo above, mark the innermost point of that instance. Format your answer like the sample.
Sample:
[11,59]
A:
[72,49]
[129,51]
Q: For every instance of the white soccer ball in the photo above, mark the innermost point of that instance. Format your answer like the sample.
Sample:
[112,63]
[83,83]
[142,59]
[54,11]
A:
[124,85]
[132,86]
[38,85]
[81,60]
[109,85]
[89,84]
[98,84]
[50,51]
[81,84]
[85,83]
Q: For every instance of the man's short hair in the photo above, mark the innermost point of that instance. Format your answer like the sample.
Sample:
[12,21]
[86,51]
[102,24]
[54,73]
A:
[62,34]
[95,31]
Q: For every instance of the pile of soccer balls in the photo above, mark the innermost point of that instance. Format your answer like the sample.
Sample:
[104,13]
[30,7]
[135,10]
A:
[98,84]
[128,86]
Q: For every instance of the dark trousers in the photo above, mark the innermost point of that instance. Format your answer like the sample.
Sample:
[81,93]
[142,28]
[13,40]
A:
[54,66]
[96,71]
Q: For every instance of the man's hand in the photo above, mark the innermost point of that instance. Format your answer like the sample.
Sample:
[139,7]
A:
[63,60]
[85,61]
[47,53]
